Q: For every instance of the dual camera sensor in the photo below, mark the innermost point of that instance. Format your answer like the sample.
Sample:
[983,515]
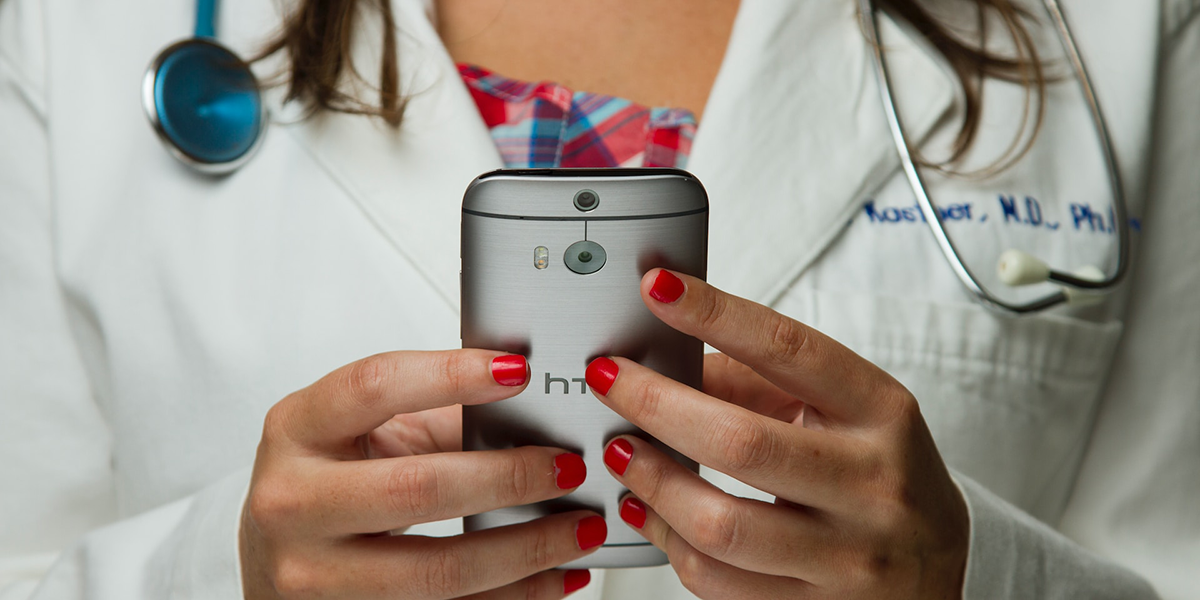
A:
[583,257]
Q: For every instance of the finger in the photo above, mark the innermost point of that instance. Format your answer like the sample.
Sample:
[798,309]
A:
[427,568]
[547,585]
[709,578]
[799,359]
[363,395]
[742,532]
[369,496]
[803,466]
[427,432]
[731,381]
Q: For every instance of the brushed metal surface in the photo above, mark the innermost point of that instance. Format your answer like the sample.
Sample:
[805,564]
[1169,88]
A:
[561,320]
[624,193]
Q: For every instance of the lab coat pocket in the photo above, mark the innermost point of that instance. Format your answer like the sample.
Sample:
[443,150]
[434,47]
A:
[1010,401]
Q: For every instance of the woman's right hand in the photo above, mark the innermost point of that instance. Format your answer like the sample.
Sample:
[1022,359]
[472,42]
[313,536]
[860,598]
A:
[330,478]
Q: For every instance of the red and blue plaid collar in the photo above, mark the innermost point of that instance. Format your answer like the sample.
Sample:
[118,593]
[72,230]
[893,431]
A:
[537,125]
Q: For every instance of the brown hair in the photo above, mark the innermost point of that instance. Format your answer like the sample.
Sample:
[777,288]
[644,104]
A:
[318,36]
[972,63]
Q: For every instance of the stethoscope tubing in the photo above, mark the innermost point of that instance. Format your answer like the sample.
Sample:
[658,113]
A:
[868,14]
[206,19]
[1120,208]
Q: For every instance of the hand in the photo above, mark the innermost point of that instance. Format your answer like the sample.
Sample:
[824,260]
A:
[865,507]
[372,448]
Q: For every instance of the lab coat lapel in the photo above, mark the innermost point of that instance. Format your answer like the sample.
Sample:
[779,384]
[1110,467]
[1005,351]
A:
[794,138]
[410,182]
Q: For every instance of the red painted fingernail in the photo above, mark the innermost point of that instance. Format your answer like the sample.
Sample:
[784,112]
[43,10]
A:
[569,471]
[510,370]
[591,532]
[633,512]
[601,374]
[618,454]
[573,581]
[667,287]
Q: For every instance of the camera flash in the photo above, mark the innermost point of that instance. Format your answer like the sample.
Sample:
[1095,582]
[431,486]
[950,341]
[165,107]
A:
[541,257]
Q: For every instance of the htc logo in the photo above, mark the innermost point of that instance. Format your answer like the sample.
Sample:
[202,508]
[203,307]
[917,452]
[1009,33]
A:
[566,385]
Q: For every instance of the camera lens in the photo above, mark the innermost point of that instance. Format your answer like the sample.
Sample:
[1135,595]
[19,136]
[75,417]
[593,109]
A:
[585,257]
[586,200]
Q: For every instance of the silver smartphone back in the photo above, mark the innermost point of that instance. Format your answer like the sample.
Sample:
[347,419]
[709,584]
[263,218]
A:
[552,261]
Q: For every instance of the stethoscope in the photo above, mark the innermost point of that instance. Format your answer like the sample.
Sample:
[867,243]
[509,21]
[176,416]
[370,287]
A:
[203,101]
[1015,268]
[207,107]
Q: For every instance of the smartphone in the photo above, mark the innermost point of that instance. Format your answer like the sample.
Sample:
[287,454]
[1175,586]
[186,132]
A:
[552,262]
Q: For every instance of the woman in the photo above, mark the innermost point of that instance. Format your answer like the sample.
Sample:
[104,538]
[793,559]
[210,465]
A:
[157,323]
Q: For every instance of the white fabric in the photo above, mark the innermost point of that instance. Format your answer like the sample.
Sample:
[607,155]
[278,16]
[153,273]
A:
[149,316]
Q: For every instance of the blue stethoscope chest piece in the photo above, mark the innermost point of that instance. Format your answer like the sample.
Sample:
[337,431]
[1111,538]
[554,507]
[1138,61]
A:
[204,102]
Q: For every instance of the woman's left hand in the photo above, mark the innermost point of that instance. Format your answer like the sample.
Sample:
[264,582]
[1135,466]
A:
[865,507]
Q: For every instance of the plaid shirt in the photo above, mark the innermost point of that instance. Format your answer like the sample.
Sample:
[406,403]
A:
[547,125]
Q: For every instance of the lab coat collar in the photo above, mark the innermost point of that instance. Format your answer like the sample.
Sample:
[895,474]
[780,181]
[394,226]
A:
[793,137]
[409,182]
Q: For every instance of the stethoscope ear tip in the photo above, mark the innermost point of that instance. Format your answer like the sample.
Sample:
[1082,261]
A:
[1017,268]
[1084,297]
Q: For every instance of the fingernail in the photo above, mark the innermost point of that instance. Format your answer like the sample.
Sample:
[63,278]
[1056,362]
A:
[591,532]
[569,471]
[618,454]
[667,287]
[510,370]
[573,581]
[601,374]
[633,512]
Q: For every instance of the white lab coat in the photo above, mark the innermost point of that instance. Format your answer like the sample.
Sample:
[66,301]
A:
[150,316]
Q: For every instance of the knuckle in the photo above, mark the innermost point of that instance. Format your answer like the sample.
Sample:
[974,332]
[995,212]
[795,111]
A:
[900,509]
[909,409]
[647,397]
[456,369]
[414,490]
[787,342]
[719,530]
[539,551]
[894,504]
[867,568]
[710,311]
[277,422]
[533,591]
[444,573]
[899,408]
[720,359]
[366,380]
[875,473]
[693,571]
[270,504]
[746,446]
[518,485]
[655,478]
[294,577]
